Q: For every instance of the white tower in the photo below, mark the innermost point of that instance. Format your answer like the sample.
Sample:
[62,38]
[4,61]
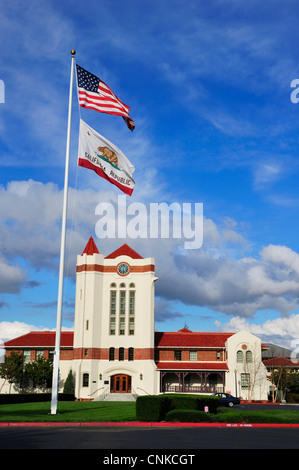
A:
[114,323]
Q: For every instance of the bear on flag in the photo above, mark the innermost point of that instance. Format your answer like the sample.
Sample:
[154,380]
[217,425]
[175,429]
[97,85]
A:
[103,157]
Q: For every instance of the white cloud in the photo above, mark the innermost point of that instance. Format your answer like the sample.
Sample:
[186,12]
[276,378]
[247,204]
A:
[216,276]
[281,331]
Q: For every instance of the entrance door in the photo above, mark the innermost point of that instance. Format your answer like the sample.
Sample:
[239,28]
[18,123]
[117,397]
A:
[120,384]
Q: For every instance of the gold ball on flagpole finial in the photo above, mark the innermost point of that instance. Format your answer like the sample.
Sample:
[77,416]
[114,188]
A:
[73,52]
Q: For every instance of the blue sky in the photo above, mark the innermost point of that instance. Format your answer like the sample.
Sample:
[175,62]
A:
[208,84]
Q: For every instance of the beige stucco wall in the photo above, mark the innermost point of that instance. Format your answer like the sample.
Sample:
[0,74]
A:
[245,341]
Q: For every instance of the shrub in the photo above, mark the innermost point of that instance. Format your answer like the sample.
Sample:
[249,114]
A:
[194,402]
[152,407]
[188,416]
[69,384]
[292,398]
[155,407]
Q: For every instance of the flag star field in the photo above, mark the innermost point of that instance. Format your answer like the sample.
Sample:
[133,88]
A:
[202,100]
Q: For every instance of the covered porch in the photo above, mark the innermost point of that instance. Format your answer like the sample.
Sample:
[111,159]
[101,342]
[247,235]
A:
[191,380]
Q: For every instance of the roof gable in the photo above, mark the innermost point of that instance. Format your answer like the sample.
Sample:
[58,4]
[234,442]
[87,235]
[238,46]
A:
[124,250]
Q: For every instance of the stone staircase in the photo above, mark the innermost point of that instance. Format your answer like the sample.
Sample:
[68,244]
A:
[120,397]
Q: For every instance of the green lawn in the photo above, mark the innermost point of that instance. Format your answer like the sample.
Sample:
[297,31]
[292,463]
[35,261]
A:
[69,412]
[125,412]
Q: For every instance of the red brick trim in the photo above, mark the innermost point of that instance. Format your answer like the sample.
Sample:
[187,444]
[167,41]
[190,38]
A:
[103,354]
[113,269]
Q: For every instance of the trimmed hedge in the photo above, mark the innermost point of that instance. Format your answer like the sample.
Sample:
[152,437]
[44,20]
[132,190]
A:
[292,398]
[155,407]
[7,398]
[188,416]
[194,402]
[152,407]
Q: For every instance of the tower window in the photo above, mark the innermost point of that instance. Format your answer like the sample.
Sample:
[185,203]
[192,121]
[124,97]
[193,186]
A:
[131,354]
[122,310]
[131,325]
[112,311]
[111,354]
[122,325]
[113,302]
[132,302]
[121,354]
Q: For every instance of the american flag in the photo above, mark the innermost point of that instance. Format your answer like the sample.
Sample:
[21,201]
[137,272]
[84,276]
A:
[95,94]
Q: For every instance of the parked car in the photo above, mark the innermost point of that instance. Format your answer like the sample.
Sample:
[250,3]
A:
[227,399]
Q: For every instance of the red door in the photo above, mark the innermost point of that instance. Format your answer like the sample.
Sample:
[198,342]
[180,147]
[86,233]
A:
[120,384]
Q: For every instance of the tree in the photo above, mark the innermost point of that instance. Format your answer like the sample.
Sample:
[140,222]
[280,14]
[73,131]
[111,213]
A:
[69,384]
[293,382]
[40,371]
[279,380]
[12,368]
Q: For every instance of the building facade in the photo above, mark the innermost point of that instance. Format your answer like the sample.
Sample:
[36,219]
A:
[114,347]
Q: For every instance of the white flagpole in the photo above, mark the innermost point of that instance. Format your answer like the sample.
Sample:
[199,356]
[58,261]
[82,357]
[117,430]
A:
[55,379]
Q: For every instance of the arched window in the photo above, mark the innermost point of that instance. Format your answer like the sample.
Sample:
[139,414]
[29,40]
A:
[248,356]
[111,354]
[85,381]
[112,309]
[132,285]
[131,354]
[121,354]
[239,356]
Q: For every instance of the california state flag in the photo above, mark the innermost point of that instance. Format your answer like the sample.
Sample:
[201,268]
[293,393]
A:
[103,157]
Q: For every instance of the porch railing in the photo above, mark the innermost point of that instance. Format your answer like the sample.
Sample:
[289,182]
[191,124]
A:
[193,389]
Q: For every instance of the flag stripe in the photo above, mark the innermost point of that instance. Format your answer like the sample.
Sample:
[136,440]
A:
[99,101]
[86,164]
[94,94]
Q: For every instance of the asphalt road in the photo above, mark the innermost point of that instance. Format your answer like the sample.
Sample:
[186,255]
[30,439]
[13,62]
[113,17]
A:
[132,439]
[148,438]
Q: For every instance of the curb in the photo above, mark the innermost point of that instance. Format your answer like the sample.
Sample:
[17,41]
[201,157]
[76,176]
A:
[158,424]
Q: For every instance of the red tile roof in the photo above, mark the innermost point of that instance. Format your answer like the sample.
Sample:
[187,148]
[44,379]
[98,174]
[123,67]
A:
[178,365]
[91,247]
[185,338]
[124,250]
[41,339]
[280,362]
